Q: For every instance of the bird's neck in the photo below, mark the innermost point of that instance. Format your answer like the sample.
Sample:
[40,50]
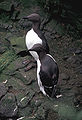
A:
[42,55]
[36,26]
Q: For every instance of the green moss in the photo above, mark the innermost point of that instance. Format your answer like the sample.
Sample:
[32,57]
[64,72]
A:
[79,115]
[3,77]
[18,75]
[6,58]
[4,18]
[18,43]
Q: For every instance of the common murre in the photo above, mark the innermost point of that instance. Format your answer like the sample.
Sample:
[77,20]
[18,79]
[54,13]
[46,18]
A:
[35,36]
[47,71]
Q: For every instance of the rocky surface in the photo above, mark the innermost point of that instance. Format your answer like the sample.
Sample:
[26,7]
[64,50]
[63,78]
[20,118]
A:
[20,97]
[3,90]
[8,107]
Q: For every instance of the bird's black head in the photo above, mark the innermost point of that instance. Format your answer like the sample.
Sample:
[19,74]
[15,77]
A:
[38,48]
[33,17]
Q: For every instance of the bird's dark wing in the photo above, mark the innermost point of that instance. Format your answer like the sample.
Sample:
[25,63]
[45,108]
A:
[48,83]
[45,79]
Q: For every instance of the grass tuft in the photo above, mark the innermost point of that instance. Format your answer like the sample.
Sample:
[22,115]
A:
[6,58]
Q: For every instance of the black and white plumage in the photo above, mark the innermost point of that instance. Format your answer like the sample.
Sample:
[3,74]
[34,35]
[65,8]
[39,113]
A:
[35,36]
[47,71]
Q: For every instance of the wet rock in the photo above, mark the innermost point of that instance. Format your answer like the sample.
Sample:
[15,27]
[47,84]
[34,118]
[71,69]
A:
[23,102]
[65,57]
[18,75]
[71,59]
[38,103]
[78,51]
[74,59]
[25,108]
[64,76]
[3,90]
[79,69]
[8,107]
[25,111]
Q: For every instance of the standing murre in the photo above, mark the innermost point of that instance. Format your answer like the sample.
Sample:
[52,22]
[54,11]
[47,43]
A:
[47,71]
[35,36]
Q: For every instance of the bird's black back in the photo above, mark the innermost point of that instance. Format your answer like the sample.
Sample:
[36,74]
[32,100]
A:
[49,71]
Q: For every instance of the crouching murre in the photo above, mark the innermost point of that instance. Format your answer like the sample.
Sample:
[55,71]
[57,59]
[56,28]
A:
[47,71]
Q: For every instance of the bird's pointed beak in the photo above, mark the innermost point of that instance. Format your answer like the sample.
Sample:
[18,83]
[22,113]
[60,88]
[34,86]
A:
[25,17]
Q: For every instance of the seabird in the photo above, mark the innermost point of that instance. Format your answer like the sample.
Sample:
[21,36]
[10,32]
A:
[35,36]
[47,71]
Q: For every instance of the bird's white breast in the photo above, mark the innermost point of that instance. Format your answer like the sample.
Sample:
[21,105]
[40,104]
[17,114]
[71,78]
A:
[31,39]
[38,77]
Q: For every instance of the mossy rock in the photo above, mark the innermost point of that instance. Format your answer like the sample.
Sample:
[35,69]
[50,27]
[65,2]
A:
[18,43]
[8,107]
[41,113]
[15,65]
[26,111]
[66,111]
[79,115]
[18,75]
[3,90]
[16,84]
[3,77]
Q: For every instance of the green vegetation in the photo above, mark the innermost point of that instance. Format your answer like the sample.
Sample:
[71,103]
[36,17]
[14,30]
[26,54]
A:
[6,58]
[28,3]
[4,18]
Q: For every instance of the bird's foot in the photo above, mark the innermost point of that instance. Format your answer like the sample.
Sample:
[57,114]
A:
[58,96]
